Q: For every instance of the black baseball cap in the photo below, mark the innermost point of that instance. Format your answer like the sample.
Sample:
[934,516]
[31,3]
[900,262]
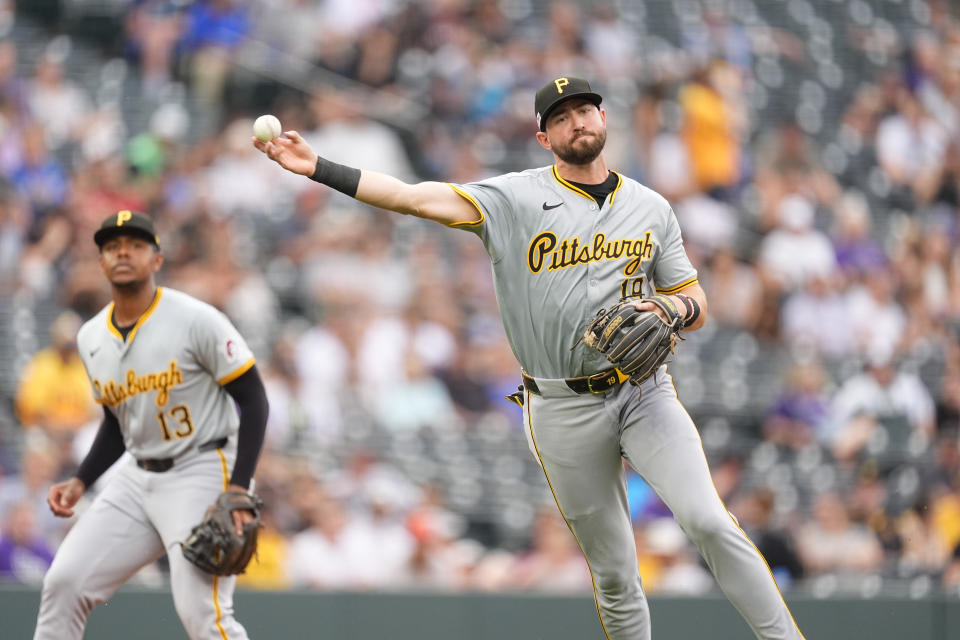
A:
[558,90]
[129,223]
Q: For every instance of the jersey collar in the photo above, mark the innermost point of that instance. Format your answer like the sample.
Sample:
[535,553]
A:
[577,190]
[143,318]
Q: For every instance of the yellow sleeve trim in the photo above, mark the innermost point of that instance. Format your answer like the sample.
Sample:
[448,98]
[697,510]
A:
[473,201]
[230,377]
[679,287]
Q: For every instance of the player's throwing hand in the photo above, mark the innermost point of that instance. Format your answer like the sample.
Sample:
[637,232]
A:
[290,151]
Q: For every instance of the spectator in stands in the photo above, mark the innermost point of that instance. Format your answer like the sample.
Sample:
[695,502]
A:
[932,74]
[910,144]
[815,319]
[57,104]
[54,391]
[857,251]
[831,543]
[39,468]
[657,155]
[14,221]
[553,563]
[214,32]
[924,551]
[13,87]
[416,399]
[343,132]
[40,179]
[341,551]
[288,425]
[787,162]
[875,317]
[800,414]
[756,513]
[667,562]
[153,28]
[24,554]
[795,251]
[736,287]
[441,559]
[711,131]
[883,396]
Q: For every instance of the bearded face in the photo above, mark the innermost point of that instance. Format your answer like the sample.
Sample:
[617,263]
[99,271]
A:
[576,132]
[583,147]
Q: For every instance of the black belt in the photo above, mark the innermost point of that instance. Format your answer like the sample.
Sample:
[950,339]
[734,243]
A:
[159,465]
[596,383]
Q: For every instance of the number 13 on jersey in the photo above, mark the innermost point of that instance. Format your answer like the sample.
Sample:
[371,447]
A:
[181,414]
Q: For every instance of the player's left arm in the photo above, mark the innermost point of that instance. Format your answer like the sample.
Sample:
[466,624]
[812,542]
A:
[251,398]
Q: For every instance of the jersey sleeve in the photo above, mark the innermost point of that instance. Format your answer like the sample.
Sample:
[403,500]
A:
[220,347]
[673,270]
[494,201]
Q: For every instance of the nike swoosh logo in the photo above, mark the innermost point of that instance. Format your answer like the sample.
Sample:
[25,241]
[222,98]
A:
[93,352]
[547,207]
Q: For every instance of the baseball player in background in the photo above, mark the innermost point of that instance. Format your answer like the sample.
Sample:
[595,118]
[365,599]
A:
[565,240]
[180,392]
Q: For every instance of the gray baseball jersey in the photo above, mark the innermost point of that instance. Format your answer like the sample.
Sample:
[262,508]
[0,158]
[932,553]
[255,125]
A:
[558,257]
[164,382]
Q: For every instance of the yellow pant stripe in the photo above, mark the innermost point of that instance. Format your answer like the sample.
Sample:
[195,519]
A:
[216,579]
[737,524]
[533,439]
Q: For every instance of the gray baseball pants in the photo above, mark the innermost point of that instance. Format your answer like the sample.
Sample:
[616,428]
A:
[580,441]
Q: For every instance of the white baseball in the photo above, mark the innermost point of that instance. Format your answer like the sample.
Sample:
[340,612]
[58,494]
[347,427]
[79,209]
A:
[266,128]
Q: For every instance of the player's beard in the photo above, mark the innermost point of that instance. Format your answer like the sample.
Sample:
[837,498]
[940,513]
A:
[585,153]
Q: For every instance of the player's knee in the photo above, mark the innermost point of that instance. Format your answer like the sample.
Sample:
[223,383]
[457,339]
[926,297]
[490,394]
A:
[704,526]
[617,582]
[60,584]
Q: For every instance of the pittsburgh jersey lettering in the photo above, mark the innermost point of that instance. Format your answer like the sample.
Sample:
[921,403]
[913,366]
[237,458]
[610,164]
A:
[545,249]
[113,393]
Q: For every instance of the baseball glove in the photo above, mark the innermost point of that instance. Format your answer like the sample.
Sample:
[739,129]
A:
[214,546]
[636,342]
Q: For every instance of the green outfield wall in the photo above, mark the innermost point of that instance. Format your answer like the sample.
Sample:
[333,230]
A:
[135,614]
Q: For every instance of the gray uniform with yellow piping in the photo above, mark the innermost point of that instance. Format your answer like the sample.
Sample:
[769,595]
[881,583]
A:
[164,383]
[558,257]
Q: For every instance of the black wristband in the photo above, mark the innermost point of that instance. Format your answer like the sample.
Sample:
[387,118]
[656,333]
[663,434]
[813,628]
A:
[693,309]
[337,176]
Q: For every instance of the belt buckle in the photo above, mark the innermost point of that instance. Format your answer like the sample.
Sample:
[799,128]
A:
[590,386]
[599,391]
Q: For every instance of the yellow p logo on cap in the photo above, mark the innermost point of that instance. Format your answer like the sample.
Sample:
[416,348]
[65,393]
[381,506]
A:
[123,216]
[561,83]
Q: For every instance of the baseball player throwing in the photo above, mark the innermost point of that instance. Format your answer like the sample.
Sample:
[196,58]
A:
[564,241]
[170,373]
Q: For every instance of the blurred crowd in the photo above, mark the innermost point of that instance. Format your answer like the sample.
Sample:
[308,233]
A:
[825,230]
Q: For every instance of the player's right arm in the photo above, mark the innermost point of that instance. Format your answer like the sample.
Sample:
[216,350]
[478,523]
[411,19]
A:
[435,201]
[63,496]
[106,449]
